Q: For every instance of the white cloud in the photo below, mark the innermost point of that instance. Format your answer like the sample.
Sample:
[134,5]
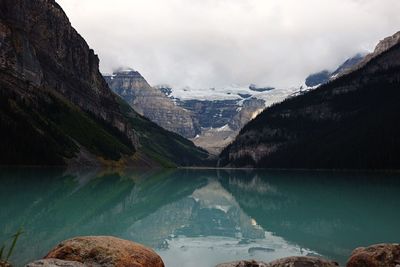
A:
[213,43]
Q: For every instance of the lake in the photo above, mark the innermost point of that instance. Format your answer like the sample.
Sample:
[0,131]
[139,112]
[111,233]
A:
[202,217]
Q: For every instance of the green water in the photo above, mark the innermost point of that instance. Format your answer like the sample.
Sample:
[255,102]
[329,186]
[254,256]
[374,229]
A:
[203,217]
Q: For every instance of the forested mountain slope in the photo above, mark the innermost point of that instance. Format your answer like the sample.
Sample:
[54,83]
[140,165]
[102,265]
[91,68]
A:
[348,123]
[56,108]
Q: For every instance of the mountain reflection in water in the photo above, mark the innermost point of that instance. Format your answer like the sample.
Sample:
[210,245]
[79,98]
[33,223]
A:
[202,217]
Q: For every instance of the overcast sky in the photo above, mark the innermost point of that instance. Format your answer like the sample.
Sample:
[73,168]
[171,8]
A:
[216,43]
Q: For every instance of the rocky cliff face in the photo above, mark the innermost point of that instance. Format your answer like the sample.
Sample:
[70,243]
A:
[383,46]
[221,120]
[42,49]
[347,123]
[211,124]
[57,108]
[152,103]
[249,110]
[220,129]
[49,77]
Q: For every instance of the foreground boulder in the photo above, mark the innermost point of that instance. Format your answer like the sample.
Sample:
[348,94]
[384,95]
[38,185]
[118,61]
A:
[303,262]
[244,264]
[382,255]
[285,262]
[105,251]
[55,263]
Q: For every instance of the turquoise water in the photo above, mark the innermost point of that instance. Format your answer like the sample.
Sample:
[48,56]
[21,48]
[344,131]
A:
[203,217]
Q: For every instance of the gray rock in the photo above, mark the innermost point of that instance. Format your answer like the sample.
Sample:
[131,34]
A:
[55,263]
[152,103]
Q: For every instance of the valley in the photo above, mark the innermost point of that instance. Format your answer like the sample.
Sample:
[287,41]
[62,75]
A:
[241,133]
[58,110]
[211,118]
[57,104]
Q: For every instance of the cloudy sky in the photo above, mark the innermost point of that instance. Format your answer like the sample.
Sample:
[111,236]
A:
[217,43]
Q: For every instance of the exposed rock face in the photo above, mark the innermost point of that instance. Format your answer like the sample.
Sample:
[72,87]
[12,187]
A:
[198,120]
[152,103]
[59,59]
[57,109]
[218,113]
[383,46]
[382,255]
[105,251]
[49,73]
[329,126]
[249,110]
[303,262]
[221,120]
[55,263]
[211,113]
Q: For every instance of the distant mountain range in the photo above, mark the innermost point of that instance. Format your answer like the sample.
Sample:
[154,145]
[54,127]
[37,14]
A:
[209,123]
[212,117]
[56,108]
[347,123]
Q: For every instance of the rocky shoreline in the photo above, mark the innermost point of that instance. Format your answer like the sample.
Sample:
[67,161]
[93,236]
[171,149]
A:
[95,251]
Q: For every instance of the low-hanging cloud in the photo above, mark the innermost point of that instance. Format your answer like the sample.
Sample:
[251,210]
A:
[216,43]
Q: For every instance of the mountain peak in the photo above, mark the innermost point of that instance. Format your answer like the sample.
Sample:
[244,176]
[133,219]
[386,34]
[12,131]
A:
[387,43]
[128,74]
[126,71]
[383,46]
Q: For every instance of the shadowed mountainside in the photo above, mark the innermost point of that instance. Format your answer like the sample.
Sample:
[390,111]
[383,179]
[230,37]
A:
[56,107]
[348,123]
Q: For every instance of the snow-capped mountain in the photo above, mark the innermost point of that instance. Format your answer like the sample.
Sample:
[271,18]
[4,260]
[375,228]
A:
[270,95]
[210,117]
[222,112]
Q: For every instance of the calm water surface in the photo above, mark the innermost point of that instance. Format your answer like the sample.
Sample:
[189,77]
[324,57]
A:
[203,217]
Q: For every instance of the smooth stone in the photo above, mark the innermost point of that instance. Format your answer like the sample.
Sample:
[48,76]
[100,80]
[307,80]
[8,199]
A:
[105,251]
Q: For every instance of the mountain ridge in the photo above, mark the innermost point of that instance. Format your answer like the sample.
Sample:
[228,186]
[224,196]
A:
[56,107]
[324,76]
[348,123]
[210,124]
[152,103]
